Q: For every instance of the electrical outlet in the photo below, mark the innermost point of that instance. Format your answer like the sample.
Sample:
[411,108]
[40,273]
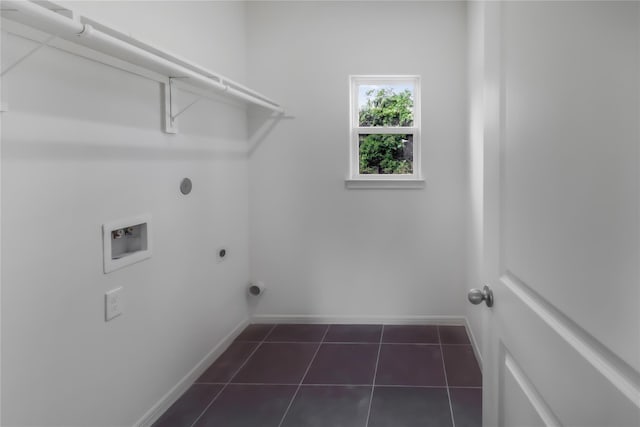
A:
[113,304]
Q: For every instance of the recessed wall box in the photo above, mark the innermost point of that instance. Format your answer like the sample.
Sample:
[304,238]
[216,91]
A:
[126,242]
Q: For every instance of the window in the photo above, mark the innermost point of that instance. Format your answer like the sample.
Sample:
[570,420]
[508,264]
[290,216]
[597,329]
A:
[385,132]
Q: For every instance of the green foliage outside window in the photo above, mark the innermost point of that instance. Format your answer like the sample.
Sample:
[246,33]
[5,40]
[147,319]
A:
[387,108]
[386,153]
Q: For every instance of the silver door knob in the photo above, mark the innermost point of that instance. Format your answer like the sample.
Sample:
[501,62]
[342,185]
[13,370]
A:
[476,296]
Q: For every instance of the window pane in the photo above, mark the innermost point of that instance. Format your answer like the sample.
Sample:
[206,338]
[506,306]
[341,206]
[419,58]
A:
[385,105]
[386,154]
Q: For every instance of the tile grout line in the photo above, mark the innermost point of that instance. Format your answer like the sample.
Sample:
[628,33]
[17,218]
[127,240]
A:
[353,342]
[446,380]
[268,333]
[233,376]
[351,385]
[375,374]
[304,376]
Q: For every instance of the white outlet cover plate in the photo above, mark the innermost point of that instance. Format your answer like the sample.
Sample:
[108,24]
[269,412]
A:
[113,304]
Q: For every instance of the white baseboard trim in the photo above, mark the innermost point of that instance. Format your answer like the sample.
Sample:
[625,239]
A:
[474,342]
[359,320]
[152,415]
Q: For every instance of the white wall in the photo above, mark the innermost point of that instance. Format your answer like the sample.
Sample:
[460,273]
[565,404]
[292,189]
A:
[82,145]
[322,249]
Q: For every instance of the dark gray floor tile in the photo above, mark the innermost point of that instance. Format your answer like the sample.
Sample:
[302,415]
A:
[248,406]
[453,335]
[277,363]
[410,364]
[462,366]
[467,406]
[354,333]
[298,333]
[343,364]
[189,406]
[254,332]
[228,363]
[410,334]
[329,406]
[411,357]
[410,407]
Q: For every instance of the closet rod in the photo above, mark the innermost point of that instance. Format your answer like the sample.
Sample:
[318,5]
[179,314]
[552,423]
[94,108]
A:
[175,59]
[41,18]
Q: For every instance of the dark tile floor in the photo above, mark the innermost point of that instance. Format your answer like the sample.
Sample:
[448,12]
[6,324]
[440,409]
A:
[337,376]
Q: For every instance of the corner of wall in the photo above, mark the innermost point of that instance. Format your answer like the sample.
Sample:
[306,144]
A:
[183,385]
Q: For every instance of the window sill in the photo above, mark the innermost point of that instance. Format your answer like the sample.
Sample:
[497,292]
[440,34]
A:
[381,184]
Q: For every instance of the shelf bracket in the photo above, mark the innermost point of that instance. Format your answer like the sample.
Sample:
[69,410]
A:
[174,116]
[169,109]
[27,55]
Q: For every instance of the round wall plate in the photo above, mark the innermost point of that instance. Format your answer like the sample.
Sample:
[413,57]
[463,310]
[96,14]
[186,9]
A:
[222,253]
[186,186]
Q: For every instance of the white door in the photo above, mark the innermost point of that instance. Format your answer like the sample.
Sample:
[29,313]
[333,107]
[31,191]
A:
[562,213]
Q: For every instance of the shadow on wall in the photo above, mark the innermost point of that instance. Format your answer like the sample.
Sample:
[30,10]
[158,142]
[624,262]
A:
[260,123]
[89,92]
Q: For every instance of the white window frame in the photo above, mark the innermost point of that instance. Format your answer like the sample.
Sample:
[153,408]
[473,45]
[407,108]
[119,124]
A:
[355,178]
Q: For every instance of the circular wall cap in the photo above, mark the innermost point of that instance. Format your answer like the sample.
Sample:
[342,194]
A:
[186,186]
